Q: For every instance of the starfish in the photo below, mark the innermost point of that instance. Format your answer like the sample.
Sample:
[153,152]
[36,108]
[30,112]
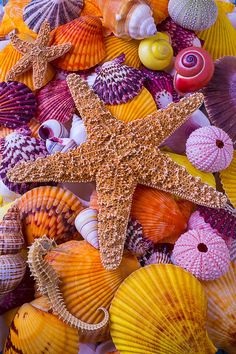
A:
[118,156]
[36,55]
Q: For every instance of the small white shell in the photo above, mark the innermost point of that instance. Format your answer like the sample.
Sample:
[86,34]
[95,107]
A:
[141,23]
[54,145]
[52,128]
[8,196]
[87,225]
[78,131]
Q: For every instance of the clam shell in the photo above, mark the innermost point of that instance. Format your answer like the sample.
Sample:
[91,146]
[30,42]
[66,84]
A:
[85,35]
[91,9]
[52,129]
[78,131]
[228,179]
[49,211]
[221,319]
[54,101]
[86,285]
[86,224]
[160,9]
[12,270]
[171,323]
[55,12]
[17,104]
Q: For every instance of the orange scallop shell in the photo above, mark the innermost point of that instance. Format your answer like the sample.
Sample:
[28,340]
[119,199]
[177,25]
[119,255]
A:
[91,9]
[86,36]
[160,10]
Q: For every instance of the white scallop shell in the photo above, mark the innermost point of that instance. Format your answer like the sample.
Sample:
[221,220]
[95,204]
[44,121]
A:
[52,128]
[87,225]
[78,131]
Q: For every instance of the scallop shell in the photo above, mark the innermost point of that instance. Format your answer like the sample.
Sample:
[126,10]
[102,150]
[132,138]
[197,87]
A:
[158,258]
[86,285]
[233,251]
[202,253]
[228,179]
[17,104]
[55,12]
[160,9]
[86,223]
[114,46]
[85,35]
[138,108]
[12,270]
[33,125]
[196,16]
[135,242]
[117,83]
[52,129]
[160,253]
[221,319]
[34,329]
[63,145]
[220,96]
[160,309]
[78,131]
[49,211]
[91,9]
[219,39]
[54,101]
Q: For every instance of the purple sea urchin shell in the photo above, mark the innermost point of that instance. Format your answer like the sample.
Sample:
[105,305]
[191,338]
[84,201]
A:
[17,104]
[117,83]
[135,242]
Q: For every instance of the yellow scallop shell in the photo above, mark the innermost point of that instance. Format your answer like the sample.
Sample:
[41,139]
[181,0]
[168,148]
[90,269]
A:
[228,179]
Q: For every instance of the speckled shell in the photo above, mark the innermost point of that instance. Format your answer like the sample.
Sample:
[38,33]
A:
[17,104]
[78,131]
[221,318]
[52,129]
[54,101]
[202,253]
[86,224]
[49,211]
[160,9]
[12,270]
[209,149]
[86,285]
[85,35]
[55,12]
[34,329]
[117,83]
[54,145]
[194,15]
[160,309]
[135,242]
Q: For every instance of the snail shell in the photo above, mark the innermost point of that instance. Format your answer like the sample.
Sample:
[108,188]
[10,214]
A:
[78,131]
[12,270]
[194,69]
[52,128]
[87,225]
[54,145]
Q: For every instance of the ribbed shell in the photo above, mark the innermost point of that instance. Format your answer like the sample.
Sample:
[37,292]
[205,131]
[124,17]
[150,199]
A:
[135,242]
[56,12]
[86,223]
[228,179]
[91,9]
[233,251]
[12,270]
[85,35]
[160,309]
[160,9]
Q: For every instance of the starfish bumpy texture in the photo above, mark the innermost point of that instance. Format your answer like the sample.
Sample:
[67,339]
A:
[36,55]
[118,156]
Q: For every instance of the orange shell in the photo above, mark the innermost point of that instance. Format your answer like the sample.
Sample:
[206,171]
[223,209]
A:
[91,9]
[160,10]
[86,36]
[85,284]
[33,125]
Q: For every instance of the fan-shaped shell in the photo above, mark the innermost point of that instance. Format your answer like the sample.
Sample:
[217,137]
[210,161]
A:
[54,101]
[33,125]
[160,309]
[233,251]
[160,9]
[56,12]
[12,270]
[86,285]
[49,211]
[228,179]
[85,35]
[91,9]
[221,319]
[194,15]
[17,104]
[34,329]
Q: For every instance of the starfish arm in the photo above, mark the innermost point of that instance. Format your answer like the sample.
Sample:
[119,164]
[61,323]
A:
[159,171]
[158,126]
[114,193]
[23,65]
[97,119]
[57,51]
[73,166]
[21,46]
[43,35]
[39,71]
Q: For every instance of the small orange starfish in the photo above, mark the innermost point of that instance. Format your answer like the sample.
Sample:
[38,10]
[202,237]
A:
[36,55]
[118,156]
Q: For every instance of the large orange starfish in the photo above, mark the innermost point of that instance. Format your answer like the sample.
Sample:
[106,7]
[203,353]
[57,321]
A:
[118,156]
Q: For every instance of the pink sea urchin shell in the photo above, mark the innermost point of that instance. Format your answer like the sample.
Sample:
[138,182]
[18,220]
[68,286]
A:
[204,254]
[209,149]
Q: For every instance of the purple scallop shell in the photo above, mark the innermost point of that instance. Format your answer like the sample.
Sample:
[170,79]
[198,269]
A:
[18,147]
[17,104]
[117,83]
[181,38]
[135,242]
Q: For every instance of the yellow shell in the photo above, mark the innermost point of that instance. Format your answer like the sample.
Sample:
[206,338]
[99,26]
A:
[219,39]
[85,284]
[160,9]
[35,331]
[228,179]
[183,161]
[114,46]
[160,309]
[221,320]
[137,108]
[156,52]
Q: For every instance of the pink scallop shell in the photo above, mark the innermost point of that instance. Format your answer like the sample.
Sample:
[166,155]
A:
[233,251]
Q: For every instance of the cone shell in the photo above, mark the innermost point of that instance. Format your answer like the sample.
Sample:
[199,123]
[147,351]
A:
[54,101]
[12,270]
[228,179]
[160,9]
[34,330]
[54,12]
[171,323]
[88,49]
[221,319]
[219,39]
[114,46]
[138,108]
[91,9]
[49,211]
[86,224]
[86,285]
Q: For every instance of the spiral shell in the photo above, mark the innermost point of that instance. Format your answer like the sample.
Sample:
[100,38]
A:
[194,69]
[78,131]
[54,145]
[86,223]
[12,270]
[52,129]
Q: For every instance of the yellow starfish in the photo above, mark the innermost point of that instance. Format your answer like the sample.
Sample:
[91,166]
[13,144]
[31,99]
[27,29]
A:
[118,156]
[36,55]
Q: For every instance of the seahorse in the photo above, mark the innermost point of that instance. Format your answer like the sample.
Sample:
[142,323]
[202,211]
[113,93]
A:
[48,284]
